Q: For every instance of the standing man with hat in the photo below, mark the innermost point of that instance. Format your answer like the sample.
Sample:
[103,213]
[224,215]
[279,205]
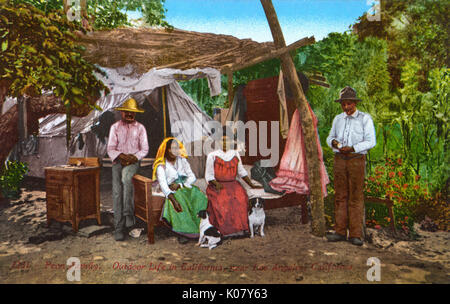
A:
[127,145]
[351,136]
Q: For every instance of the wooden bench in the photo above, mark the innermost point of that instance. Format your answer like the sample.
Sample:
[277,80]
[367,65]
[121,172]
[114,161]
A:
[389,204]
[148,207]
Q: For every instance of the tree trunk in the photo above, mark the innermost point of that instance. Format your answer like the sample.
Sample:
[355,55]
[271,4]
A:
[309,133]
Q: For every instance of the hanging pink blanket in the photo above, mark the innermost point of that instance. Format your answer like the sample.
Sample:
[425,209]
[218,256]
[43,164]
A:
[292,175]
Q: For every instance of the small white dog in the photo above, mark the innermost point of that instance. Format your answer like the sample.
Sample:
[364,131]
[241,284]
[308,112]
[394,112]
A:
[209,235]
[256,216]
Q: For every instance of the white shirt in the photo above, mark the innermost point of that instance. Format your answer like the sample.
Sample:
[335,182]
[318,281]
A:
[356,130]
[168,173]
[226,156]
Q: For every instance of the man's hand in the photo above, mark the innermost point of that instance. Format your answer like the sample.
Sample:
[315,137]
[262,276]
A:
[127,159]
[132,159]
[334,143]
[174,186]
[346,150]
[124,159]
[176,205]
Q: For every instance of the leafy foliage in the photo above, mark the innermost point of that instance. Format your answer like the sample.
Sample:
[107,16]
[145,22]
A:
[198,90]
[415,30]
[39,53]
[393,180]
[108,14]
[12,177]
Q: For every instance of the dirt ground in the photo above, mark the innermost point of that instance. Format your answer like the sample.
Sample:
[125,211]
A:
[287,254]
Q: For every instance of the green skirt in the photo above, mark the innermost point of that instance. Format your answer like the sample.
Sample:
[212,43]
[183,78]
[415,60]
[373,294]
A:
[186,222]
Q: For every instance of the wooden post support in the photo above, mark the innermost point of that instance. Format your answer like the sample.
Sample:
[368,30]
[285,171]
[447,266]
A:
[22,122]
[309,133]
[230,87]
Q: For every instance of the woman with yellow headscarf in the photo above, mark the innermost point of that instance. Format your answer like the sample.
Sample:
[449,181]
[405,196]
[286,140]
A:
[183,200]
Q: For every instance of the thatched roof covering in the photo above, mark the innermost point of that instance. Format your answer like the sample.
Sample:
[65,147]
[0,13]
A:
[145,48]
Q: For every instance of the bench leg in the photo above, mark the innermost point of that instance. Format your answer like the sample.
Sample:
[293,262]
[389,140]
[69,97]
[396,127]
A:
[150,231]
[391,215]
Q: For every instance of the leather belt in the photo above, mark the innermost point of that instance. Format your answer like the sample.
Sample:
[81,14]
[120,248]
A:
[349,155]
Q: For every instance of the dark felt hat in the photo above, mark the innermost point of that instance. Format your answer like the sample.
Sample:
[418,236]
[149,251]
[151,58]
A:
[348,93]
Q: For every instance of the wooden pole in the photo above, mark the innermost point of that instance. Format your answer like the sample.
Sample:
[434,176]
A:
[270,55]
[309,133]
[230,88]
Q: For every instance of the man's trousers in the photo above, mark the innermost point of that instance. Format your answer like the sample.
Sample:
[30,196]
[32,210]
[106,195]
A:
[123,194]
[349,172]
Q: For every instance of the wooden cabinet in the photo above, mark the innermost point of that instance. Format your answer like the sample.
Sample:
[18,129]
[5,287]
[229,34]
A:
[73,194]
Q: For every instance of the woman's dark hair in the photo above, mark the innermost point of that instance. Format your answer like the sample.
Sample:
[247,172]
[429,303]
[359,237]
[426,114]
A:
[168,145]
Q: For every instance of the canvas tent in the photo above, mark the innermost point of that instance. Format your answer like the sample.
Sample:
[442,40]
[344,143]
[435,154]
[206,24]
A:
[157,91]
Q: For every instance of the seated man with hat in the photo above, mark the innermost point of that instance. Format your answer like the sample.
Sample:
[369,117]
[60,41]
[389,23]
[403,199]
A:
[127,145]
[351,136]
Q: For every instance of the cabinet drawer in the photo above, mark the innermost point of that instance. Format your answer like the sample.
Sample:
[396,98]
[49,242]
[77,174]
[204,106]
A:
[52,191]
[58,177]
[54,208]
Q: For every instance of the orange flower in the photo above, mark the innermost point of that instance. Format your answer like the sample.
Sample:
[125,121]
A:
[400,173]
[417,178]
[416,187]
[391,174]
[405,186]
[399,161]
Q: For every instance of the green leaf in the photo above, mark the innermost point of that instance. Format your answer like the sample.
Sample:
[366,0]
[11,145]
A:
[78,100]
[4,45]
[47,60]
[76,91]
[64,75]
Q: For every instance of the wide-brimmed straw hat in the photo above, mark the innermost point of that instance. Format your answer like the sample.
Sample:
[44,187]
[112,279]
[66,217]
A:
[347,93]
[130,105]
